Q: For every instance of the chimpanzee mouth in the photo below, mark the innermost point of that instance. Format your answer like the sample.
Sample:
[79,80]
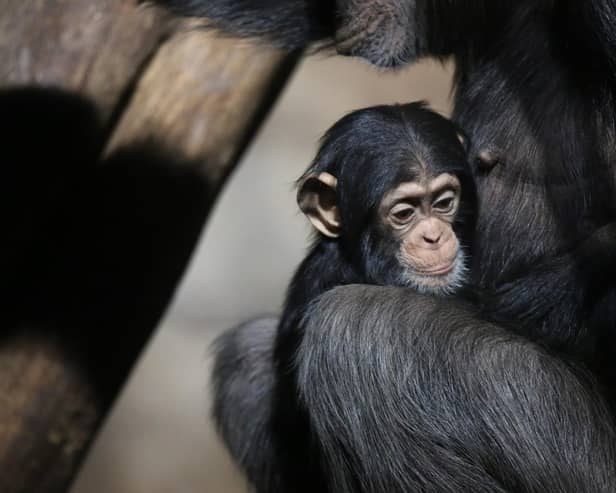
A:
[443,280]
[438,271]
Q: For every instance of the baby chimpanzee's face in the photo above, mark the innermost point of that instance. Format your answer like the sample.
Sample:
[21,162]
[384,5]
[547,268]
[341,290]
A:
[417,219]
[393,187]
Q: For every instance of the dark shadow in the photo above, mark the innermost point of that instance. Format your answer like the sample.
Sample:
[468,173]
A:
[92,252]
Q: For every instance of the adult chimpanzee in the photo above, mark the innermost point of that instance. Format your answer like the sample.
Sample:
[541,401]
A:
[391,193]
[535,93]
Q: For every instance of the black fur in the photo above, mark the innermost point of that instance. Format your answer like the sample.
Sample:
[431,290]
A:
[554,185]
[535,87]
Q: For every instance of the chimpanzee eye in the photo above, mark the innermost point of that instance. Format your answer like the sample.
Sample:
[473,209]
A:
[444,203]
[402,213]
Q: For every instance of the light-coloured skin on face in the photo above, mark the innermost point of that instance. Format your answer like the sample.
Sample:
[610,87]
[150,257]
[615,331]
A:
[421,215]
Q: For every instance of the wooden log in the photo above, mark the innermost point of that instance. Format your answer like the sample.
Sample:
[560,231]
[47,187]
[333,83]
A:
[201,97]
[93,47]
[96,277]
[47,412]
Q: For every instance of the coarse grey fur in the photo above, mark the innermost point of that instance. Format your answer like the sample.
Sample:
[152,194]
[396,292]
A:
[421,385]
[424,387]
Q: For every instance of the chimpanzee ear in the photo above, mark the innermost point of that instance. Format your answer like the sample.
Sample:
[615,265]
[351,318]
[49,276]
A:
[316,197]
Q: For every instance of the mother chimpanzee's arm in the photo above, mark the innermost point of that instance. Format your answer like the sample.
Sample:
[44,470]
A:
[385,32]
[412,393]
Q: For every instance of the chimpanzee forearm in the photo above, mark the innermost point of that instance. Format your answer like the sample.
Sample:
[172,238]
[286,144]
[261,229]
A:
[412,393]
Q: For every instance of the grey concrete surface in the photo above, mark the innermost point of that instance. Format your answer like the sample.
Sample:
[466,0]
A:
[159,438]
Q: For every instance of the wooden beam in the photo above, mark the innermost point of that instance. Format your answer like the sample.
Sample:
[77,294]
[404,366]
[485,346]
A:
[47,412]
[95,48]
[110,223]
[201,97]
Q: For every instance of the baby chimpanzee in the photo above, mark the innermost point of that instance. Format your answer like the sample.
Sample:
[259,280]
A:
[392,196]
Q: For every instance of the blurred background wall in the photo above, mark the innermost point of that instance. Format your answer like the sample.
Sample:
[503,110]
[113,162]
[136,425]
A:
[159,438]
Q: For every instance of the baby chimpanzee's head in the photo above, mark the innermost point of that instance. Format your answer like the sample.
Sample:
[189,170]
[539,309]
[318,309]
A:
[392,186]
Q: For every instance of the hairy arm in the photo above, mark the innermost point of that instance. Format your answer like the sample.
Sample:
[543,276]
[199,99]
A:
[411,393]
[385,32]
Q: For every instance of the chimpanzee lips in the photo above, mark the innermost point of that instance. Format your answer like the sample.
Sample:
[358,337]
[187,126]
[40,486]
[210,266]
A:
[437,271]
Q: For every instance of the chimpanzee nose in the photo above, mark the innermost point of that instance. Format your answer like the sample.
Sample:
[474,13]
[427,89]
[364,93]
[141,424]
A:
[432,237]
